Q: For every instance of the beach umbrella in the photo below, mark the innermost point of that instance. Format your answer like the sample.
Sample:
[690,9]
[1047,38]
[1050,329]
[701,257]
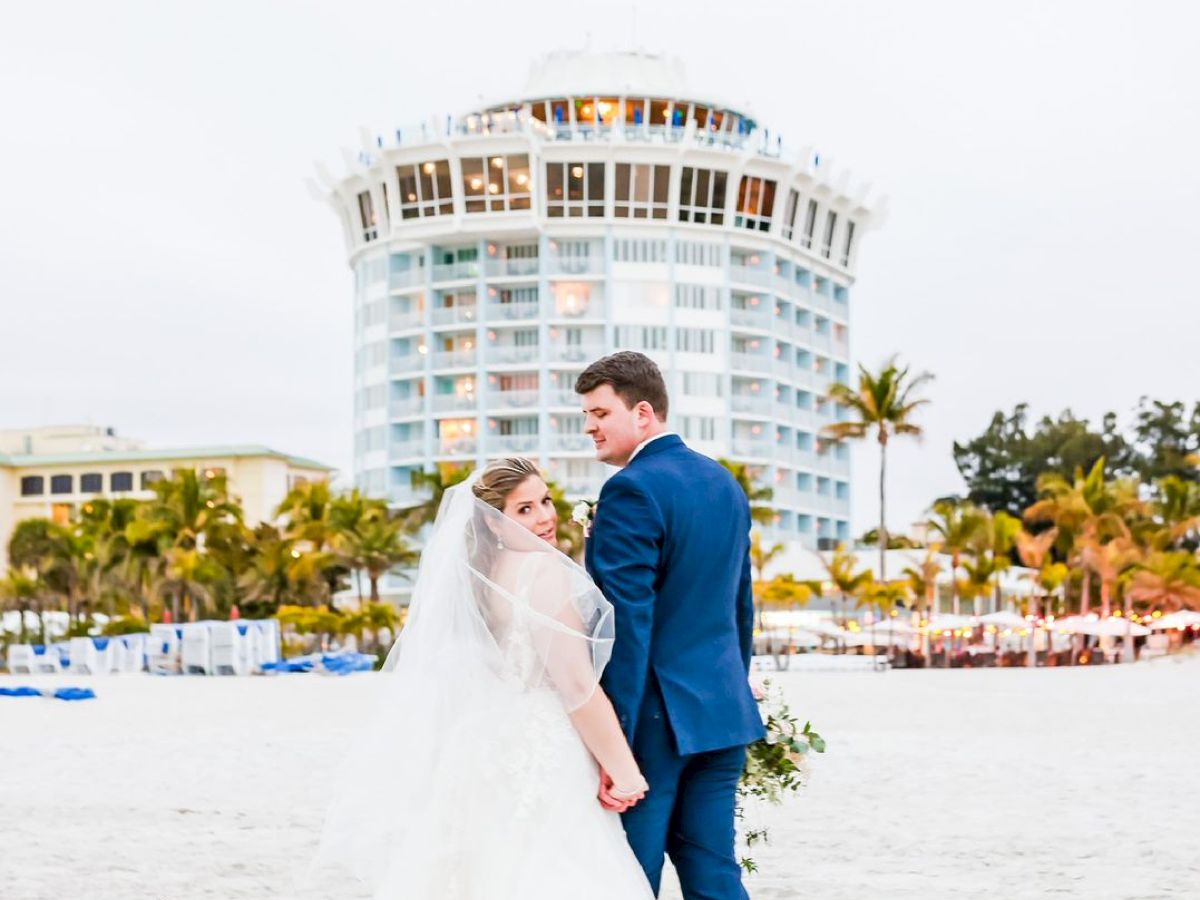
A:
[950,622]
[1185,618]
[893,626]
[1004,619]
[1114,626]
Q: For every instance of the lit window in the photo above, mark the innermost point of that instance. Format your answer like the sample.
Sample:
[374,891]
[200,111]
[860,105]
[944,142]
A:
[702,195]
[497,183]
[425,189]
[574,190]
[641,191]
[366,214]
[756,201]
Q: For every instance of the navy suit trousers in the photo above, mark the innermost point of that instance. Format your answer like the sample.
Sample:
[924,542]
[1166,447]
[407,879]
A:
[688,812]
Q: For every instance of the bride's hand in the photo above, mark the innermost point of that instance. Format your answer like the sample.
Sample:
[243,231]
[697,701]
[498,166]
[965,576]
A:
[615,800]
[632,793]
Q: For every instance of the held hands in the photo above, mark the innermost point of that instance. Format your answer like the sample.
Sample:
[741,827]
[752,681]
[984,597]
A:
[619,798]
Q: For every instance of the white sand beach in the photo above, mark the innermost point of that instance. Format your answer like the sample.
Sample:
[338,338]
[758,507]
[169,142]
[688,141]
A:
[937,784]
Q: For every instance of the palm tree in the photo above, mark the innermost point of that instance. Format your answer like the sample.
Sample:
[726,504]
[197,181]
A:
[1109,559]
[758,495]
[1033,551]
[1166,579]
[760,558]
[957,524]
[1177,509]
[847,579]
[883,403]
[266,579]
[378,545]
[311,514]
[19,588]
[922,581]
[443,477]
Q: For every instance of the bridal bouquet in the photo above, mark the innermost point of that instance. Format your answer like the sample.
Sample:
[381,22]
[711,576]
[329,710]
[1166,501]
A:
[777,765]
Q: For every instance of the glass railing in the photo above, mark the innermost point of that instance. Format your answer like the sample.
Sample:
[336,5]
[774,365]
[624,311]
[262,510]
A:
[456,446]
[414,362]
[455,359]
[409,406]
[750,362]
[509,355]
[750,275]
[456,271]
[404,450]
[574,265]
[510,312]
[511,443]
[751,318]
[564,397]
[511,268]
[752,448]
[571,443]
[754,404]
[580,353]
[589,310]
[408,278]
[406,321]
[450,315]
[511,399]
[444,402]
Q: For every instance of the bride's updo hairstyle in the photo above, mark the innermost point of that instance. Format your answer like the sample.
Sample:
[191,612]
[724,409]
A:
[501,478]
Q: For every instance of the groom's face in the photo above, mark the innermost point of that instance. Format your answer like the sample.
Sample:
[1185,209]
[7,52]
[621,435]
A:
[614,427]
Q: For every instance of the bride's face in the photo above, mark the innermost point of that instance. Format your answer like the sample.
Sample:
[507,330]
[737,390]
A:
[531,506]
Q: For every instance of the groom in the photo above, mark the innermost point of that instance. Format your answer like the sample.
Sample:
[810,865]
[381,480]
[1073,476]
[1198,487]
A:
[669,547]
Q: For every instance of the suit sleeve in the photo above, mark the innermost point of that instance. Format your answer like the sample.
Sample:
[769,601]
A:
[745,611]
[627,535]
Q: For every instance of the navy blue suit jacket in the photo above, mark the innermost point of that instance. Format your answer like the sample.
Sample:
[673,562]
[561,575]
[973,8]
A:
[670,549]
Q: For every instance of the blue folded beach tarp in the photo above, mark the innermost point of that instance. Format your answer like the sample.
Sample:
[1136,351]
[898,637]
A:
[66,693]
[330,663]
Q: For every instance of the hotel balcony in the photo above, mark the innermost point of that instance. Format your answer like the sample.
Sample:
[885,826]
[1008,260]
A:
[750,362]
[409,406]
[455,359]
[751,404]
[751,318]
[576,353]
[582,265]
[507,355]
[511,268]
[512,312]
[511,443]
[560,397]
[498,400]
[460,271]
[452,315]
[462,446]
[752,448]
[398,281]
[751,275]
[402,365]
[406,450]
[571,443]
[455,402]
[584,310]
[406,321]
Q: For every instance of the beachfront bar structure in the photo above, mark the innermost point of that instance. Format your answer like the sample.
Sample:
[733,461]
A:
[605,206]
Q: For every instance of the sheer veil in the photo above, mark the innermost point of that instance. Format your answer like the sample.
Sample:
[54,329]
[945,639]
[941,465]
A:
[498,618]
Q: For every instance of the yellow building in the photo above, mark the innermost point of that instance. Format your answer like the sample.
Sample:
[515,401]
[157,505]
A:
[48,472]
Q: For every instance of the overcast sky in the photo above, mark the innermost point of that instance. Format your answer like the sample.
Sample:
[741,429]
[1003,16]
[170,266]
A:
[164,270]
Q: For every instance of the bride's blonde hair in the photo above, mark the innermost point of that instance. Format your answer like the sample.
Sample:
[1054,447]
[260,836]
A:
[501,477]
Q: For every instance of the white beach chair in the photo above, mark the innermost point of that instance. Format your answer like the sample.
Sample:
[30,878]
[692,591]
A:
[196,649]
[20,659]
[162,648]
[263,638]
[48,659]
[229,648]
[130,653]
[92,655]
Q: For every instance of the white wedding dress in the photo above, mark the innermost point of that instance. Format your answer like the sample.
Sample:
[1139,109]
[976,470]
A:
[471,782]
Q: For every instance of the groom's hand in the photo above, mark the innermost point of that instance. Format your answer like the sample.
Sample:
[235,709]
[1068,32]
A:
[608,801]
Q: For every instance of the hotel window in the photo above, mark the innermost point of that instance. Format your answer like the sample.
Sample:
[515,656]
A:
[62,484]
[366,213]
[150,477]
[698,253]
[642,191]
[702,384]
[91,483]
[425,189]
[515,295]
[847,248]
[497,183]
[574,189]
[697,296]
[702,195]
[756,201]
[699,428]
[830,226]
[639,251]
[120,481]
[640,337]
[789,214]
[33,486]
[694,340]
[810,224]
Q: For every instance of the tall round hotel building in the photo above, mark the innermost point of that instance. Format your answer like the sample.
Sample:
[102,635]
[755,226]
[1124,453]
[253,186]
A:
[607,207]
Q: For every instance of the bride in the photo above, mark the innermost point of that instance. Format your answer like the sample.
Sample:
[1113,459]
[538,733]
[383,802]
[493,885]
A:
[477,777]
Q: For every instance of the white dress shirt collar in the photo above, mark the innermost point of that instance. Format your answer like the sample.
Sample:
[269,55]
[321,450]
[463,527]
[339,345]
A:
[638,448]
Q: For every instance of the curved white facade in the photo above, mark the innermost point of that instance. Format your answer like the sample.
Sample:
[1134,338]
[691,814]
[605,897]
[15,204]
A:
[495,255]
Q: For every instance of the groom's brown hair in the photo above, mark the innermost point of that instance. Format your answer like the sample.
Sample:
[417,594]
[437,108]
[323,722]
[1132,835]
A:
[633,377]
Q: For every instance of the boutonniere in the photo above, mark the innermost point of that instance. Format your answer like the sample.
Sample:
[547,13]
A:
[584,514]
